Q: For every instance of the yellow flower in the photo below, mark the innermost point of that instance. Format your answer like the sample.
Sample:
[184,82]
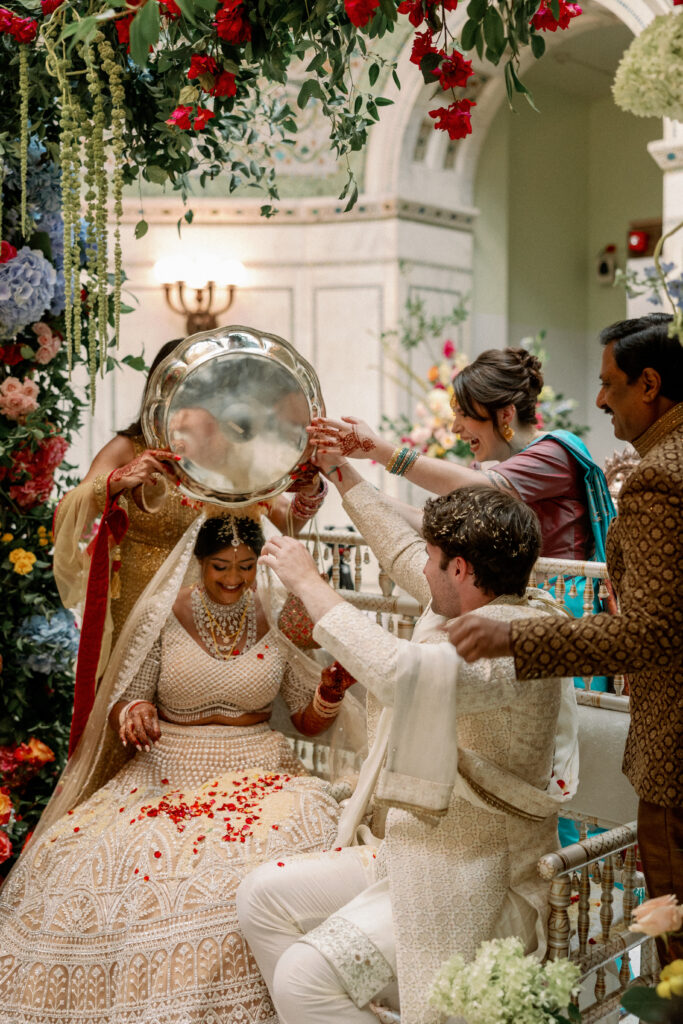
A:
[676,985]
[663,990]
[6,538]
[671,970]
[22,560]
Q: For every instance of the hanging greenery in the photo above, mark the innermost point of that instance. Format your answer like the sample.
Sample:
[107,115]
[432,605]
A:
[119,90]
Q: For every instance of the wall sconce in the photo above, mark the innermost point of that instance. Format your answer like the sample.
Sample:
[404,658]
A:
[192,285]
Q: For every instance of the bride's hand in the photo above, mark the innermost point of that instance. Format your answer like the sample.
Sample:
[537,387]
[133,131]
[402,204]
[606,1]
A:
[145,468]
[348,436]
[327,463]
[140,727]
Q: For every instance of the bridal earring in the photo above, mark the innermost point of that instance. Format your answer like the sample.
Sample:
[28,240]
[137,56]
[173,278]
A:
[507,432]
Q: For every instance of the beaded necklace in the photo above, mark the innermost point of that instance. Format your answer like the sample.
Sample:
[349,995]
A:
[220,626]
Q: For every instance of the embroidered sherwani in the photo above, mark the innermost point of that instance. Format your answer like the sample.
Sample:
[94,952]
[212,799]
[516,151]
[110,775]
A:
[644,557]
[450,882]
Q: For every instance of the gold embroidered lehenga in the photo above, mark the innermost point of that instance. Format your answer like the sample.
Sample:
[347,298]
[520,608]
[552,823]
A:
[122,907]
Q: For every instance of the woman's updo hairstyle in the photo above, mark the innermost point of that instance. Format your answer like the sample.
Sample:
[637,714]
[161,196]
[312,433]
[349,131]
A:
[219,532]
[500,377]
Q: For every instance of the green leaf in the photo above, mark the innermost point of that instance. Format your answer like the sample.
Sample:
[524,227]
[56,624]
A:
[27,352]
[646,1004]
[309,89]
[396,79]
[318,62]
[555,8]
[428,65]
[144,32]
[189,216]
[373,73]
[574,1014]
[494,34]
[476,9]
[469,34]
[353,196]
[187,7]
[135,362]
[383,101]
[537,46]
[157,174]
[207,5]
[520,87]
[141,228]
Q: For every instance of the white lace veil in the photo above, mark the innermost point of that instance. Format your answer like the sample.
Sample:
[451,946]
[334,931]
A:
[100,754]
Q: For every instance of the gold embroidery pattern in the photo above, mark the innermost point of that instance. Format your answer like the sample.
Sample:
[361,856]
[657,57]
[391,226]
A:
[644,557]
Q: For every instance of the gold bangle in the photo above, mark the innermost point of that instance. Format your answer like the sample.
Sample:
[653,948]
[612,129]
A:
[395,455]
[324,708]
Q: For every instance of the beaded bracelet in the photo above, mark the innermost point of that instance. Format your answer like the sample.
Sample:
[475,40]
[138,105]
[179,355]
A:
[305,506]
[401,461]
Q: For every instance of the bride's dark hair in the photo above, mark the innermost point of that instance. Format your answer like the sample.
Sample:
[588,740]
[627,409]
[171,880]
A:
[500,377]
[217,533]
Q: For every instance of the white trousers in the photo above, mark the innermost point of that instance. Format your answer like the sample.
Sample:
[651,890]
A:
[320,929]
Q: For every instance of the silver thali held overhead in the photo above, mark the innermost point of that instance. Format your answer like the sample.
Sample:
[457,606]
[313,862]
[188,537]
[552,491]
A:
[234,403]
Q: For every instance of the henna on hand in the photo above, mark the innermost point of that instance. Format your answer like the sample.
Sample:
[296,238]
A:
[352,441]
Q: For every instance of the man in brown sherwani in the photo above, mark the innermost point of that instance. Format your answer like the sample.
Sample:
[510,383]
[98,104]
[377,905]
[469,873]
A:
[642,389]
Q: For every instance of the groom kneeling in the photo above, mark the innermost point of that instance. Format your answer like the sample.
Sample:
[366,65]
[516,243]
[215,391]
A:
[333,931]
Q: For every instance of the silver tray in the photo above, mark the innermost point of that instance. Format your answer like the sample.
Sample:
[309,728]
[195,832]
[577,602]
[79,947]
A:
[234,403]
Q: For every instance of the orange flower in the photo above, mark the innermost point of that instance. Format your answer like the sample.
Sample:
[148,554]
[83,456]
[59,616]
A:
[40,752]
[433,374]
[5,806]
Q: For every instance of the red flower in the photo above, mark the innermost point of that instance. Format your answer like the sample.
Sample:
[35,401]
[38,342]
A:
[172,10]
[360,12]
[123,29]
[180,117]
[231,23]
[455,119]
[5,847]
[454,71]
[203,115]
[423,43]
[225,84]
[544,19]
[202,64]
[49,6]
[7,251]
[6,19]
[24,30]
[414,9]
[448,348]
[10,355]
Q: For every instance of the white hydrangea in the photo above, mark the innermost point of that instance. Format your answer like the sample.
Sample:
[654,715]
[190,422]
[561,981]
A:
[503,986]
[649,79]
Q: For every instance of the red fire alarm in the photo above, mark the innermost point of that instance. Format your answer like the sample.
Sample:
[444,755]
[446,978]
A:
[638,242]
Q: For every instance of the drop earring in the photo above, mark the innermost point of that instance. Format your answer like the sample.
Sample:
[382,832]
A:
[507,432]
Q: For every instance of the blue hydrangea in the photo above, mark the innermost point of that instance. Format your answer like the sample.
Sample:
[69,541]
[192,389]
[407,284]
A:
[53,224]
[55,641]
[27,285]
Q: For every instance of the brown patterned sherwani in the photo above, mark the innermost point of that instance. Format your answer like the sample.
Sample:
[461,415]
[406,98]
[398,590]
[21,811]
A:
[645,562]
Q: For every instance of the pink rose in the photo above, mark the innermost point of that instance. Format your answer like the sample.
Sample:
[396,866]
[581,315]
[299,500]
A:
[448,349]
[18,398]
[48,349]
[658,916]
[41,329]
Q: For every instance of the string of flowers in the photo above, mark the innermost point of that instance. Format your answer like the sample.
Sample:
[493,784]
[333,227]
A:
[118,118]
[23,114]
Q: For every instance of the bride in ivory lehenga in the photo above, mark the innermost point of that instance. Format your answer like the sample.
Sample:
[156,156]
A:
[122,907]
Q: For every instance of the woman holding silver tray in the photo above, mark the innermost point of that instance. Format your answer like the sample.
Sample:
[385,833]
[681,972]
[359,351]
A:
[121,908]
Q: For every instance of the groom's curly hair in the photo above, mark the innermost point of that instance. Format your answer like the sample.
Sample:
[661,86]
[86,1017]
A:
[497,534]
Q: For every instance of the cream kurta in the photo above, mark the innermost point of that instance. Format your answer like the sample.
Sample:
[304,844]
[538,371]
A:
[454,883]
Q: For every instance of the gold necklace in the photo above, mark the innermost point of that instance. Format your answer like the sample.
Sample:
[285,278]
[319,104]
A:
[214,626]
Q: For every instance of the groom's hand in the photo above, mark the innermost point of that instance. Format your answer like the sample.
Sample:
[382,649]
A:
[291,561]
[297,570]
